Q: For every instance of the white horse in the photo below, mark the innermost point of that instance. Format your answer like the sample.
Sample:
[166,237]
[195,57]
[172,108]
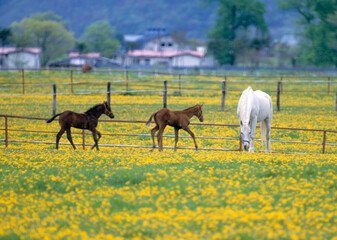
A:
[254,107]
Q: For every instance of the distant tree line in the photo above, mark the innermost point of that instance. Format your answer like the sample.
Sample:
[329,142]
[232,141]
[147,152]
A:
[240,35]
[49,32]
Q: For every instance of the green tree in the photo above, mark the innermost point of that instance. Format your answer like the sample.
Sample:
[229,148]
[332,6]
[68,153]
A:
[5,35]
[318,21]
[100,37]
[81,47]
[49,16]
[49,35]
[236,20]
[332,19]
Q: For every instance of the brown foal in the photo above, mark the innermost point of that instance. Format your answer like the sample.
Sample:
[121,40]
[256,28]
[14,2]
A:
[177,119]
[87,120]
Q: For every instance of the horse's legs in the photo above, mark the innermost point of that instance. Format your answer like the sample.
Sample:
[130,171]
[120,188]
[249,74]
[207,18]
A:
[153,132]
[252,135]
[70,138]
[192,135]
[99,136]
[58,136]
[176,138]
[94,135]
[160,138]
[268,126]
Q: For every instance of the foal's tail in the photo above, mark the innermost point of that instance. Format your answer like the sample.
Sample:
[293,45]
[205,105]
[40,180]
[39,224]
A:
[51,119]
[148,123]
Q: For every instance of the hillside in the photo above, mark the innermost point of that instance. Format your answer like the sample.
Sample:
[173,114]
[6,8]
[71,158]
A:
[133,17]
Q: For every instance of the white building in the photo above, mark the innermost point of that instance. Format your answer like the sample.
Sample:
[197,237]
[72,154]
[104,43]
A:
[176,59]
[77,60]
[157,47]
[11,57]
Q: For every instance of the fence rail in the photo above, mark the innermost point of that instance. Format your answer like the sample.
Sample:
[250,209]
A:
[130,77]
[6,139]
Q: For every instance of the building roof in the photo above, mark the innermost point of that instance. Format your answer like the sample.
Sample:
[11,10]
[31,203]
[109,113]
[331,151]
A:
[7,50]
[149,34]
[164,54]
[84,55]
[132,38]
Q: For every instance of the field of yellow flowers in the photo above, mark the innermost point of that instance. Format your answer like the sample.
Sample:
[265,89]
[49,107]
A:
[132,193]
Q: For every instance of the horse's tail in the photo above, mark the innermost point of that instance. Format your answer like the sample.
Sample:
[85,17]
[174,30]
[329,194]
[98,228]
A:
[148,123]
[51,119]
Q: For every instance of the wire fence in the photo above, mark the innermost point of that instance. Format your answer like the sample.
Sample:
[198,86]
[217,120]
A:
[42,82]
[20,135]
[39,81]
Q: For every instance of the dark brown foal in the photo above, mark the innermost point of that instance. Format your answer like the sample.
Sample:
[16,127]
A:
[177,119]
[87,120]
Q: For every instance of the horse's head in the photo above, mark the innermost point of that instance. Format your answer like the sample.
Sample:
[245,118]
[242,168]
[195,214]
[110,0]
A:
[107,110]
[199,113]
[245,134]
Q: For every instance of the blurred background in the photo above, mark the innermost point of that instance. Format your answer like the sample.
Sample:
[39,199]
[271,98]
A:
[158,34]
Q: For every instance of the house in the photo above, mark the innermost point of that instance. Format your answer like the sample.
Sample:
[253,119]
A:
[12,57]
[156,39]
[158,47]
[175,59]
[76,59]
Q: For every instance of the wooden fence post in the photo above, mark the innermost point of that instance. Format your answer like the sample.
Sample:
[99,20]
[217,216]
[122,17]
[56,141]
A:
[71,81]
[127,81]
[6,132]
[165,94]
[223,95]
[23,81]
[328,85]
[108,93]
[278,95]
[179,84]
[83,139]
[336,102]
[324,140]
[54,99]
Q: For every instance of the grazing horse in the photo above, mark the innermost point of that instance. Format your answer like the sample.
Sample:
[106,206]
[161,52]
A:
[87,120]
[254,107]
[176,119]
[86,68]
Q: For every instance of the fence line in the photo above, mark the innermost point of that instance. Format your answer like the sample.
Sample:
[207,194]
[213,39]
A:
[178,76]
[165,92]
[7,130]
[127,82]
[155,73]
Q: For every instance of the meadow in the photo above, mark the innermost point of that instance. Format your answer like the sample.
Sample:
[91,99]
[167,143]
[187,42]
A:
[132,193]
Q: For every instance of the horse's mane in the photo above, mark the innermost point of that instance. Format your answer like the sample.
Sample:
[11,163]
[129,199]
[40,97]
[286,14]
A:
[244,108]
[92,109]
[189,108]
